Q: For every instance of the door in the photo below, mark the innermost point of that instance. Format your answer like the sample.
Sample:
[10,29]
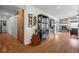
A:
[20,25]
[3,25]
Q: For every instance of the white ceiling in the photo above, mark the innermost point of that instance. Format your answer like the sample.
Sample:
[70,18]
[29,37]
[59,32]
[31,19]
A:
[7,11]
[59,11]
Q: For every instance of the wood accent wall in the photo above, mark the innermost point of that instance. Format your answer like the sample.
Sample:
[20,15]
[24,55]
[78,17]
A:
[20,25]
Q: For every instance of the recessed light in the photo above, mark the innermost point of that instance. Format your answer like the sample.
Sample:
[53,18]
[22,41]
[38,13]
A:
[58,7]
[4,17]
[6,13]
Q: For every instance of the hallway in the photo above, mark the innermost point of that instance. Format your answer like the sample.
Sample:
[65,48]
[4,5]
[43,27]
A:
[60,43]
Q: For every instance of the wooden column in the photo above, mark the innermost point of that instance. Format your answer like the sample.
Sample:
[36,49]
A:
[20,25]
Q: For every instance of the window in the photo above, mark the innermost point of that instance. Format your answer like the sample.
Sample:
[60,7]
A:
[74,25]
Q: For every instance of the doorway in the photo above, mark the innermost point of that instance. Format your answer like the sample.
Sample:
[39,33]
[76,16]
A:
[2,26]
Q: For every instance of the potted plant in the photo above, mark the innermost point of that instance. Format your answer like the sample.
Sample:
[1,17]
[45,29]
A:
[36,37]
[37,31]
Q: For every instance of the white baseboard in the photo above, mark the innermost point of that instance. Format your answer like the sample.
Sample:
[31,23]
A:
[26,43]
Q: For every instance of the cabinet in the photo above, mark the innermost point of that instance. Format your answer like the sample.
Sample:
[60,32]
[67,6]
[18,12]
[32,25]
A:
[43,25]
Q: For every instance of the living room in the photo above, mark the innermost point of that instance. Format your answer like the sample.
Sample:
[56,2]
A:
[40,28]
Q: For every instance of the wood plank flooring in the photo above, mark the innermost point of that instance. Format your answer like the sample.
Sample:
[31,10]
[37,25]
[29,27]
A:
[8,43]
[59,43]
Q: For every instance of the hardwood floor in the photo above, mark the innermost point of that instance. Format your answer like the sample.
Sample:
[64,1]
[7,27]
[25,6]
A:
[58,43]
[8,43]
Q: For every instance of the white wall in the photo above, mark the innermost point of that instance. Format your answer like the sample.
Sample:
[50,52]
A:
[28,32]
[12,26]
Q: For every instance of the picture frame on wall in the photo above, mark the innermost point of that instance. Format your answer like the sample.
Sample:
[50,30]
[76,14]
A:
[34,20]
[30,20]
